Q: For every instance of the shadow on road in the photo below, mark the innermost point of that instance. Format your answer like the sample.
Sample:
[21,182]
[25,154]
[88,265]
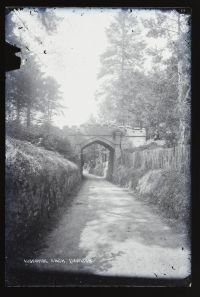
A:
[35,278]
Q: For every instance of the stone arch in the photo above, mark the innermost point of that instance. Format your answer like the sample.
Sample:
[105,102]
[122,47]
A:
[104,142]
[101,140]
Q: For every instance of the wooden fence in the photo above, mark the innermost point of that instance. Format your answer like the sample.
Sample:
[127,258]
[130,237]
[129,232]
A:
[177,158]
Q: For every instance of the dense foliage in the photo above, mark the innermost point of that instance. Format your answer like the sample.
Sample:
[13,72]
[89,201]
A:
[33,98]
[155,97]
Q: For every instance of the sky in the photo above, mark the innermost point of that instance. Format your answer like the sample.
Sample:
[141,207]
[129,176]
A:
[80,40]
[72,56]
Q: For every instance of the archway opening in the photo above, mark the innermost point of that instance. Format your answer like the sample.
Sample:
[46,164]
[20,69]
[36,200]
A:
[97,158]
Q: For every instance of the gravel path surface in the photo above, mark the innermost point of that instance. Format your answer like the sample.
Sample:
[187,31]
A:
[108,231]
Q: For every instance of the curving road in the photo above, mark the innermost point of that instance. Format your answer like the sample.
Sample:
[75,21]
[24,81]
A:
[108,231]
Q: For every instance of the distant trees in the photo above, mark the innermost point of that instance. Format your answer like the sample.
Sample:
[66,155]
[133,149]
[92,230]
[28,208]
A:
[94,158]
[50,104]
[175,29]
[159,98]
[121,64]
[31,96]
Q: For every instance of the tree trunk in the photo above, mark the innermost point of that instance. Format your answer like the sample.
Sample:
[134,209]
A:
[28,116]
[122,69]
[181,104]
[18,114]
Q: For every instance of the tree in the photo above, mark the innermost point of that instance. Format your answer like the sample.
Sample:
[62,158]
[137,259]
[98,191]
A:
[28,92]
[122,60]
[157,98]
[49,105]
[24,89]
[176,29]
[14,100]
[184,75]
[48,19]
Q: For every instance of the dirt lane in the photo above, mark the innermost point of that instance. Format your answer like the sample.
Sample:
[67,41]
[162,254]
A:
[108,231]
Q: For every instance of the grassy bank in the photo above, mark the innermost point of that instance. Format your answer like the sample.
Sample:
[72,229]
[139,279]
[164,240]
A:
[166,187]
[38,181]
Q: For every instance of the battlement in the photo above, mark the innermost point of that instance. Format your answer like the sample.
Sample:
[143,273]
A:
[105,125]
[108,129]
[136,132]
